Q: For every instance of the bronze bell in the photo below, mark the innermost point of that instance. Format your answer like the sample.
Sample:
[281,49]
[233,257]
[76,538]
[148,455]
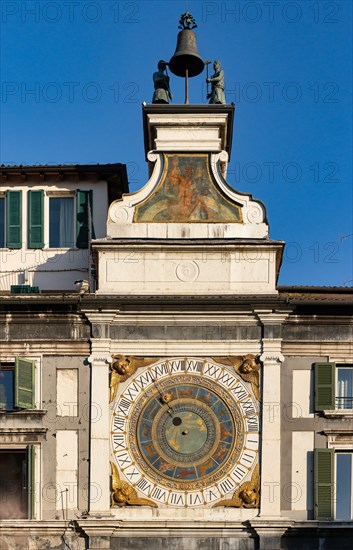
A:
[186,57]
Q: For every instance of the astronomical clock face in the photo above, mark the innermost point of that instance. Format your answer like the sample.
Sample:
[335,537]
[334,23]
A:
[185,432]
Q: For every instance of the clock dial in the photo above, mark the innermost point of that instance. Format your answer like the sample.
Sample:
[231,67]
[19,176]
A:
[185,436]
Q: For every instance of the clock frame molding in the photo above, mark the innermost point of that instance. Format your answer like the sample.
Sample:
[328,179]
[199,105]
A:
[185,431]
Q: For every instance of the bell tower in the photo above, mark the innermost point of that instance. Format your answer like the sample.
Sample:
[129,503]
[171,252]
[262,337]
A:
[186,319]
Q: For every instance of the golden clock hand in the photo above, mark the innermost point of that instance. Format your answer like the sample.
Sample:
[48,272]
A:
[164,399]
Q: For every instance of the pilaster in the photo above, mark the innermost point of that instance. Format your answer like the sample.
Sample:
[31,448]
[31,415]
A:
[99,494]
[270,533]
[272,358]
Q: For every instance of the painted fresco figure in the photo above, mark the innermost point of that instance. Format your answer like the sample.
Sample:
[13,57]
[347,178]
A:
[217,82]
[162,93]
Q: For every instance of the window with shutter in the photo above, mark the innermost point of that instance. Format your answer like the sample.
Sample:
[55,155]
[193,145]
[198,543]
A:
[324,386]
[35,219]
[84,212]
[2,222]
[344,386]
[31,481]
[24,383]
[61,222]
[14,219]
[7,380]
[324,486]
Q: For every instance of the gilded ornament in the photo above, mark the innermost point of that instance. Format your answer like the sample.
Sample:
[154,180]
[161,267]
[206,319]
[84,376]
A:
[248,494]
[247,366]
[123,367]
[123,494]
[167,397]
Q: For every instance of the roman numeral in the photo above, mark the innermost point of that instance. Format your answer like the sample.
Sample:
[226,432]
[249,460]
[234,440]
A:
[176,499]
[158,494]
[132,391]
[193,499]
[132,473]
[119,442]
[194,366]
[144,485]
[227,485]
[124,405]
[160,370]
[248,407]
[144,379]
[177,366]
[239,473]
[252,424]
[226,379]
[239,391]
[211,370]
[119,423]
[124,459]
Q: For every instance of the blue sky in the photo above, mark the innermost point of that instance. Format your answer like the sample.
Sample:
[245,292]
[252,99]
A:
[74,74]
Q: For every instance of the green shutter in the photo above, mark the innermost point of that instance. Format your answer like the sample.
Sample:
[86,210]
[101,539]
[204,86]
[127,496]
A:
[14,219]
[35,219]
[83,202]
[2,222]
[24,383]
[324,386]
[30,480]
[324,486]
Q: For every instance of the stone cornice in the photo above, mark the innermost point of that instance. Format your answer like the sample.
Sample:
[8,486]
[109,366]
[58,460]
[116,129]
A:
[277,317]
[174,112]
[66,172]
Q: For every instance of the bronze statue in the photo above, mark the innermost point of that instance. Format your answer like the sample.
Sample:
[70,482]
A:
[217,83]
[162,93]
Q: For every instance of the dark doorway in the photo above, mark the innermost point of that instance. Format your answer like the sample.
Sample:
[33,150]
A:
[13,484]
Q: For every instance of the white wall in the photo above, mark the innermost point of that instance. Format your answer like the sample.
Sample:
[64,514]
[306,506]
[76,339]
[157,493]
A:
[60,268]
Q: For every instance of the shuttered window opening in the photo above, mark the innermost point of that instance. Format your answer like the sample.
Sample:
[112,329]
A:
[324,386]
[31,481]
[7,386]
[67,228]
[344,387]
[24,383]
[344,490]
[324,486]
[14,219]
[61,222]
[84,216]
[2,222]
[35,219]
[333,476]
[64,223]
[17,383]
[333,386]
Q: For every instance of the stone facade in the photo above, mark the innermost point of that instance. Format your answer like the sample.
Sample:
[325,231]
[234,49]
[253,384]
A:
[180,304]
